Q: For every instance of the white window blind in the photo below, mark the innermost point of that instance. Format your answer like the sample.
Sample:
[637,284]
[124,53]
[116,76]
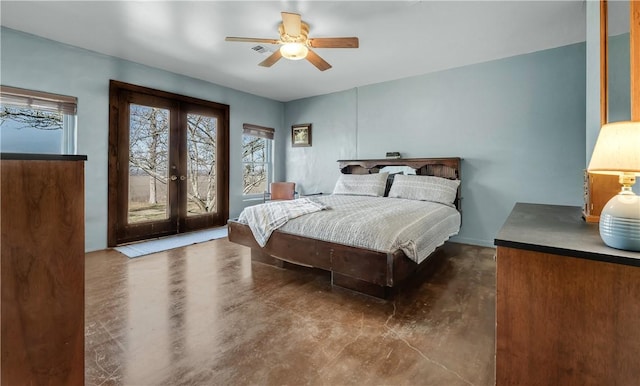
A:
[258,131]
[38,100]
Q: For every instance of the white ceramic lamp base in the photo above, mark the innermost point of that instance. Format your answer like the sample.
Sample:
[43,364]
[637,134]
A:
[620,222]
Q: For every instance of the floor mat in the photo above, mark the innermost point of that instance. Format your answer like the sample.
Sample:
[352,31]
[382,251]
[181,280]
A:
[170,242]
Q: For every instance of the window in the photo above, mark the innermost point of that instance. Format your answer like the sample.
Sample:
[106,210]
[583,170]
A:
[257,164]
[37,122]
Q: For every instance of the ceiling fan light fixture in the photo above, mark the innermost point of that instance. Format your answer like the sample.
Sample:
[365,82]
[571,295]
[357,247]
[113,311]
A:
[294,51]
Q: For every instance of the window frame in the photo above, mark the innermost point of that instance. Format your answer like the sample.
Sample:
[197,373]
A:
[268,134]
[34,100]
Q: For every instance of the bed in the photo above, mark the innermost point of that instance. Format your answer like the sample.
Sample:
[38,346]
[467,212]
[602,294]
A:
[368,268]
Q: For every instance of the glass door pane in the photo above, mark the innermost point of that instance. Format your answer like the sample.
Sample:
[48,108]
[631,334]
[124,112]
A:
[201,164]
[148,163]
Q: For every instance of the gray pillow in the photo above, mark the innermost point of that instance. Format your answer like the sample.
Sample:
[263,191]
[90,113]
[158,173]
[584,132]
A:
[361,184]
[425,188]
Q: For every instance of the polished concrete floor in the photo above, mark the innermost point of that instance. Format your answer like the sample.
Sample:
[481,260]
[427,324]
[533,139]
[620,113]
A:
[206,315]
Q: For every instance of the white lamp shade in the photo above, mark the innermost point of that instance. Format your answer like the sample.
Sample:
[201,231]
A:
[617,149]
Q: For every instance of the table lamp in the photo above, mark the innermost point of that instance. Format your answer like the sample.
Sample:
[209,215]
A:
[617,152]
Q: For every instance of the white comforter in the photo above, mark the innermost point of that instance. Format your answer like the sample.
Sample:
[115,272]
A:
[378,223]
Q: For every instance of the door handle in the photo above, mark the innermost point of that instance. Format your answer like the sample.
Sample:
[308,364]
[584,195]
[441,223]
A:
[173,177]
[182,178]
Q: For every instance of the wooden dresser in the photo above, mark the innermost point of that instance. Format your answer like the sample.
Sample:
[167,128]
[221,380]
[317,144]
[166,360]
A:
[42,270]
[567,306]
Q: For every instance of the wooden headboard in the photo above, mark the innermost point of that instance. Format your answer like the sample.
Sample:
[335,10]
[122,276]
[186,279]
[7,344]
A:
[438,167]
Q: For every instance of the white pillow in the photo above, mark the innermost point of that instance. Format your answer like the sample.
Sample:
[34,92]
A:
[361,184]
[425,188]
[398,169]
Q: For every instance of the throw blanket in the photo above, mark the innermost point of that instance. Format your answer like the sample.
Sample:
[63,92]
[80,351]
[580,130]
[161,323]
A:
[263,219]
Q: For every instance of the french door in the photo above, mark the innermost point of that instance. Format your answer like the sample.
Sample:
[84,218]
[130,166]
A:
[168,163]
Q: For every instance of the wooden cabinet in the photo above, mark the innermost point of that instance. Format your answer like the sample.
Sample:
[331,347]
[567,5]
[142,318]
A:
[598,190]
[567,309]
[42,270]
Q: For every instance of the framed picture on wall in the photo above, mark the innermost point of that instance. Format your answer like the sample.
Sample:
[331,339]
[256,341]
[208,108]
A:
[301,135]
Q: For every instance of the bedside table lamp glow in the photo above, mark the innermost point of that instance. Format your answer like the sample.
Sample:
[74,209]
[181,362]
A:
[617,152]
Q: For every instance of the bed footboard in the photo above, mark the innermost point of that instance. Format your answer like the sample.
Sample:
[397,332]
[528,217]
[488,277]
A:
[363,270]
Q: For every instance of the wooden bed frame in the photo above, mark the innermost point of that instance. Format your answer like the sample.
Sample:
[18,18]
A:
[363,270]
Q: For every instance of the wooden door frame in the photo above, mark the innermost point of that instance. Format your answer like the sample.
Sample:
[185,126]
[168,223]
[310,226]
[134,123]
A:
[189,223]
[634,57]
[160,227]
[116,118]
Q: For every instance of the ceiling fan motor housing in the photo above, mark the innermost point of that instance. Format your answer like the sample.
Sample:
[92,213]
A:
[302,38]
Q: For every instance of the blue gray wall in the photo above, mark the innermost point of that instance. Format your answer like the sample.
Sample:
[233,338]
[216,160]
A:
[592,93]
[619,78]
[39,64]
[518,123]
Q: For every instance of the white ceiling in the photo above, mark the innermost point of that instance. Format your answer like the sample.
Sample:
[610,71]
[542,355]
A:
[397,38]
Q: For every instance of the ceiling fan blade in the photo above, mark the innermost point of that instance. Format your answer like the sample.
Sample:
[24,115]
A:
[292,23]
[253,40]
[271,60]
[317,61]
[352,42]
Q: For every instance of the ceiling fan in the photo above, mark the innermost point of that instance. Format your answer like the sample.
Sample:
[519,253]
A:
[295,43]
